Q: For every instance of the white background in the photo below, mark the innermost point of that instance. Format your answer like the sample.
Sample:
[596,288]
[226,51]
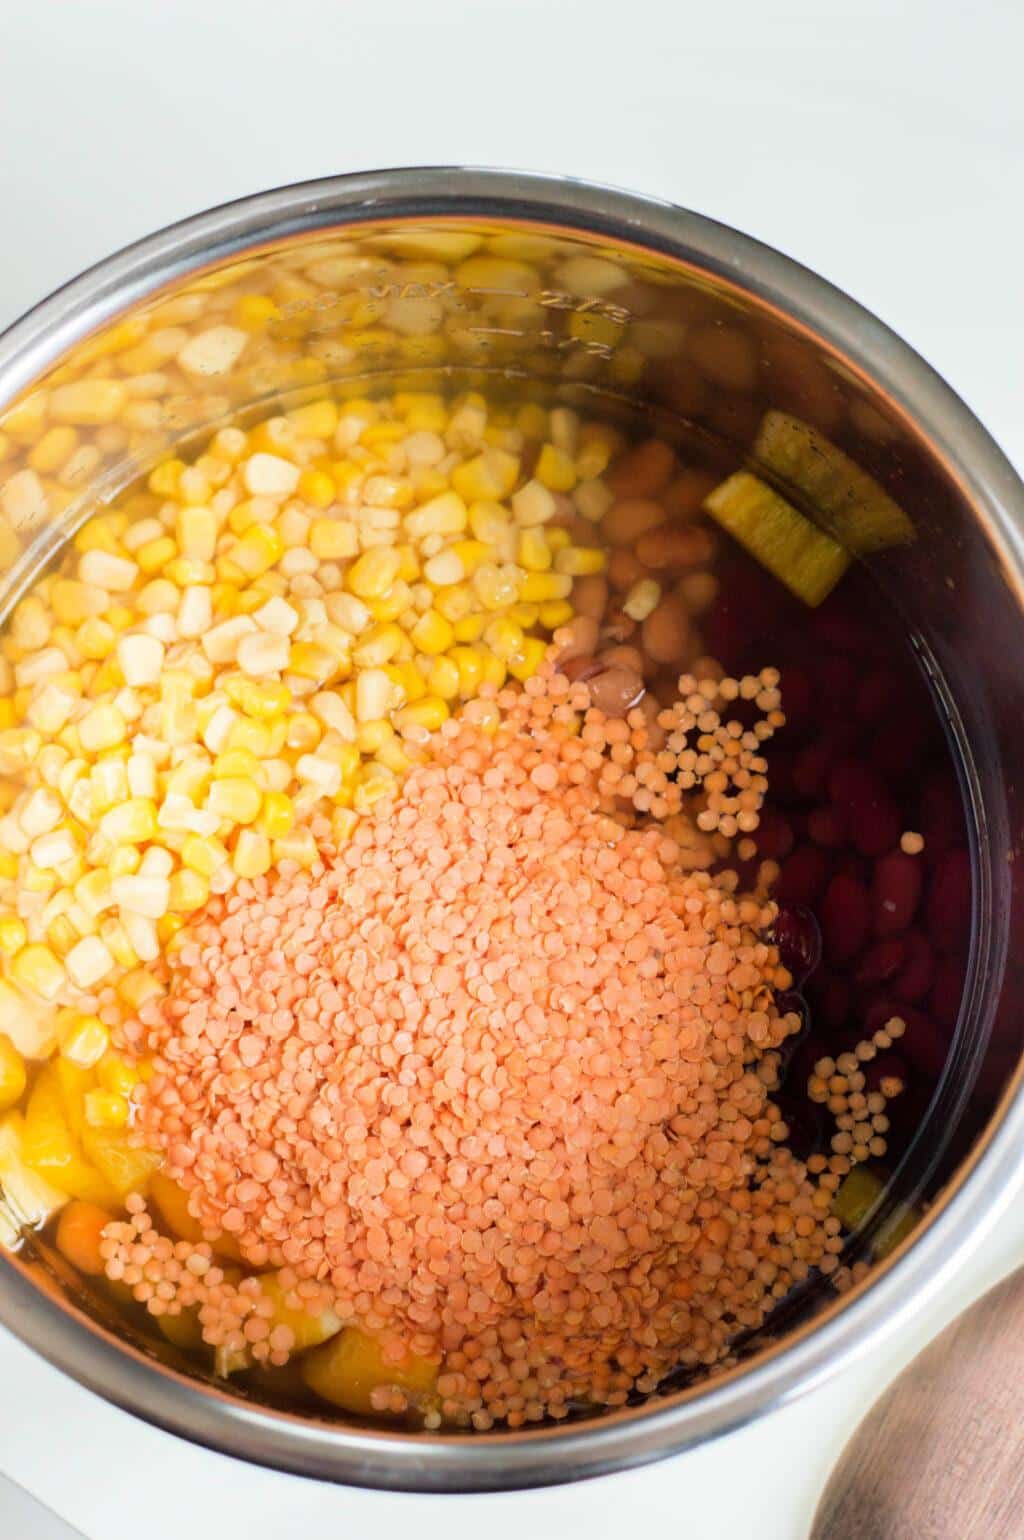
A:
[878,142]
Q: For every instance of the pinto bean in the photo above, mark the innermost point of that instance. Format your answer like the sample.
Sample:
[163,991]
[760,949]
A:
[616,691]
[666,630]
[630,518]
[684,497]
[673,545]
[590,596]
[643,471]
[624,570]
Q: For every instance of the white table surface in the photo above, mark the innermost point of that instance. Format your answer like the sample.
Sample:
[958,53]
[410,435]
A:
[878,141]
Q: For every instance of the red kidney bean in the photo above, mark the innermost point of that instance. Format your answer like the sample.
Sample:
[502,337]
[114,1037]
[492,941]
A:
[882,961]
[874,818]
[845,919]
[797,698]
[582,643]
[830,994]
[833,627]
[942,813]
[798,939]
[900,743]
[581,668]
[848,863]
[948,907]
[915,977]
[803,876]
[774,836]
[947,991]
[810,772]
[895,892]
[835,681]
[875,695]
[827,827]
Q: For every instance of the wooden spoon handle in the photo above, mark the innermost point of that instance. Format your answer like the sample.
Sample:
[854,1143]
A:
[941,1455]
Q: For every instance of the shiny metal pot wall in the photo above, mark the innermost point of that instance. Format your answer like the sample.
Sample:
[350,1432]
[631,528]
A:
[548,290]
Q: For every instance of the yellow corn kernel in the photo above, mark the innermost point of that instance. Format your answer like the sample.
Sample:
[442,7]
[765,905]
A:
[373,573]
[124,862]
[312,661]
[471,627]
[250,511]
[236,762]
[169,927]
[391,604]
[409,679]
[525,615]
[393,757]
[37,969]
[234,798]
[304,732]
[490,525]
[163,479]
[120,616]
[443,678]
[298,846]
[82,1039]
[88,403]
[333,539]
[557,537]
[538,587]
[73,602]
[52,450]
[257,550]
[196,532]
[495,670]
[427,713]
[555,613]
[113,1072]
[443,515]
[8,714]
[155,555]
[264,699]
[13,1078]
[102,728]
[580,560]
[555,469]
[372,735]
[432,634]
[504,638]
[251,856]
[253,311]
[533,551]
[469,662]
[276,816]
[132,822]
[13,935]
[61,935]
[318,419]
[427,416]
[455,602]
[105,1109]
[378,645]
[316,487]
[343,823]
[96,535]
[135,989]
[189,890]
[409,563]
[95,639]
[202,854]
[491,475]
[532,657]
[8,865]
[381,434]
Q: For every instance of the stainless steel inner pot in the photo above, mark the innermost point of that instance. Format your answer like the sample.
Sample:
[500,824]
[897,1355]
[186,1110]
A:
[555,291]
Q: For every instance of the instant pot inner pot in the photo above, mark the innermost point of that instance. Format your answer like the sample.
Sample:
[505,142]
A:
[535,314]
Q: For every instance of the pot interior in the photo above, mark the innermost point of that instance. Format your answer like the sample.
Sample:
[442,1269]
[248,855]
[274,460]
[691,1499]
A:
[908,670]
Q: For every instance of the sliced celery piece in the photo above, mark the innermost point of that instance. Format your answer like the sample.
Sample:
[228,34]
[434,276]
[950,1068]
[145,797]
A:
[850,503]
[808,561]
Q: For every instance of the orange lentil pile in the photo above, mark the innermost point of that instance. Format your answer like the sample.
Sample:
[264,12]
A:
[493,1080]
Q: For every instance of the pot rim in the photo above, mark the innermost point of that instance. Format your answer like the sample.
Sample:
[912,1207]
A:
[982,1189]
